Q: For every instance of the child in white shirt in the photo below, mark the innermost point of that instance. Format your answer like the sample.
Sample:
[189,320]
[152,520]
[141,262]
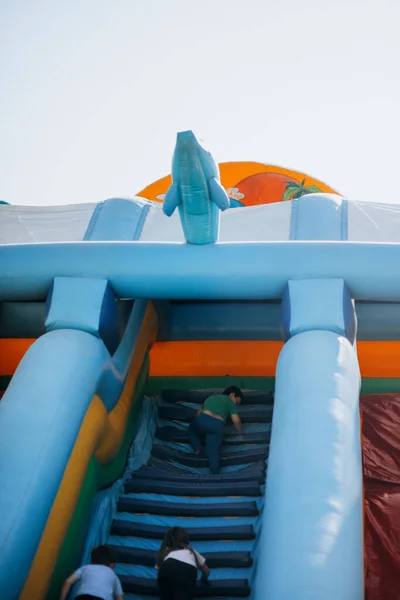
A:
[177,564]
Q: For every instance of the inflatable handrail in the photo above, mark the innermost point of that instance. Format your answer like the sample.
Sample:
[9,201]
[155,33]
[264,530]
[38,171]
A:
[223,271]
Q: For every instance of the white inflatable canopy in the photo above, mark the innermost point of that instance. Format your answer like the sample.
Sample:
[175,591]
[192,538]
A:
[366,222]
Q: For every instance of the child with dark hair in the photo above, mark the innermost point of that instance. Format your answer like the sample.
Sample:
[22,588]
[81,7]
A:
[98,580]
[208,424]
[177,563]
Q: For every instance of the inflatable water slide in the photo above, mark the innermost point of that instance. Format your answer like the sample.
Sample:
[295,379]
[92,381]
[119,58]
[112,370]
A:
[118,319]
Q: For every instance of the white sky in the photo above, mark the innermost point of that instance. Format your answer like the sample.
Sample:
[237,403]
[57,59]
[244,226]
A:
[93,92]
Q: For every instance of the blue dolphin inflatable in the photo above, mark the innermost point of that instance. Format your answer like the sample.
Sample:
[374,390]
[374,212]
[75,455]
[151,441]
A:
[196,190]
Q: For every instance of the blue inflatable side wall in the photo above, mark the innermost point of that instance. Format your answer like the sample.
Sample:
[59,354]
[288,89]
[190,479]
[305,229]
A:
[49,396]
[63,369]
[312,542]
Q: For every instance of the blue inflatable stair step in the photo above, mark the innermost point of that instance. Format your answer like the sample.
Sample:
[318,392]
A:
[146,486]
[173,434]
[181,509]
[215,560]
[159,492]
[132,529]
[254,473]
[200,396]
[256,414]
[191,460]
[234,588]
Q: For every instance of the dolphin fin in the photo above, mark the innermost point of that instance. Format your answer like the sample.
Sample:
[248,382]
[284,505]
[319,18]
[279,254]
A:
[218,194]
[172,199]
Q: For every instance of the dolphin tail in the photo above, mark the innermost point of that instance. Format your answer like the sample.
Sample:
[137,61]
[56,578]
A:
[172,199]
[218,194]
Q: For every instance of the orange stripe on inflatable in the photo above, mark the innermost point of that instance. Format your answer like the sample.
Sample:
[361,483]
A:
[11,353]
[379,359]
[216,358]
[180,359]
[255,359]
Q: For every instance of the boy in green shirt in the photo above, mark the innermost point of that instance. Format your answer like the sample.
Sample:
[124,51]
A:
[209,423]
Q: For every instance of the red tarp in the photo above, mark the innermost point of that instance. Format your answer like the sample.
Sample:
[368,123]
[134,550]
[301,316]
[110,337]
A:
[381,456]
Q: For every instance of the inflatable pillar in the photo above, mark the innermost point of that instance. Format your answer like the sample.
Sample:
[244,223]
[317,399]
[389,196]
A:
[312,539]
[85,304]
[41,414]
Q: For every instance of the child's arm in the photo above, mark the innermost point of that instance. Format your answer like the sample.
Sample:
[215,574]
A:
[68,583]
[205,572]
[118,591]
[237,423]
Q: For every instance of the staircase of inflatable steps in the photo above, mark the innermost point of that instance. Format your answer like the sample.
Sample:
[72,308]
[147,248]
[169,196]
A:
[222,513]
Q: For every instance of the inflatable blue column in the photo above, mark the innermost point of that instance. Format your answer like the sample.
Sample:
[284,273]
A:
[311,546]
[42,412]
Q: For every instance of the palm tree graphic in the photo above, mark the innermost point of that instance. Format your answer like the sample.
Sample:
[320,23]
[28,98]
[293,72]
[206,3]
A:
[295,190]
